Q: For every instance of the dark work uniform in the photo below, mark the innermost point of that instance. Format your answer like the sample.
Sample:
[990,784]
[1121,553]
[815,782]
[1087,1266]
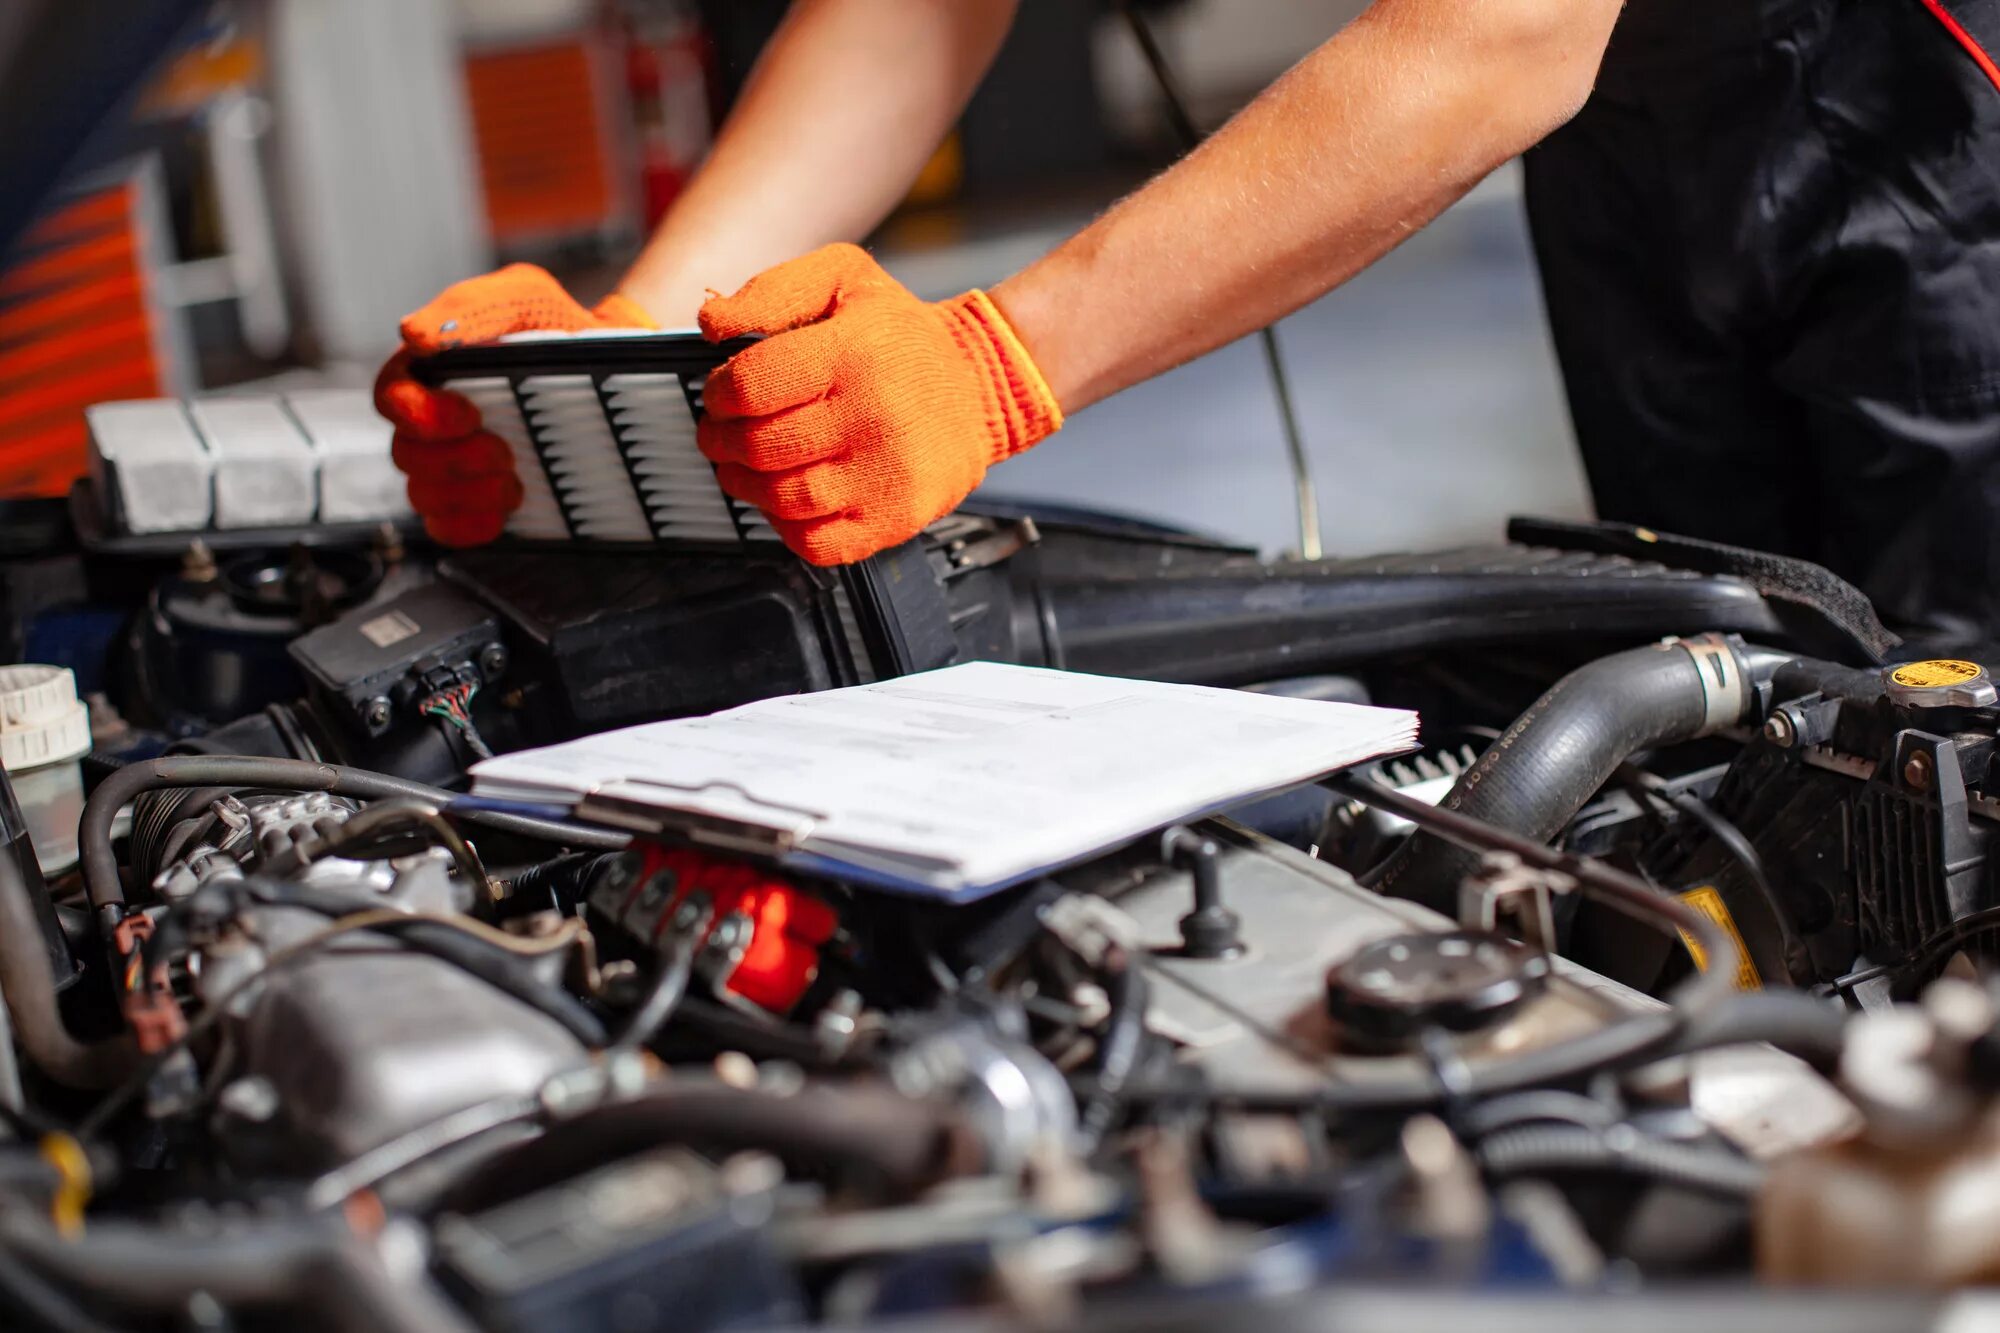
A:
[1770,247]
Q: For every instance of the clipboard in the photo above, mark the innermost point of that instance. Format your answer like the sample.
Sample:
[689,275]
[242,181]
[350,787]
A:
[949,784]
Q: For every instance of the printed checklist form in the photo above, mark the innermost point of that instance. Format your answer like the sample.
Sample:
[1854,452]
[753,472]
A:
[950,783]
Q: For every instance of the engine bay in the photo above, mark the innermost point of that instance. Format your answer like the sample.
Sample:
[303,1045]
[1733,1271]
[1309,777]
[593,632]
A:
[1653,982]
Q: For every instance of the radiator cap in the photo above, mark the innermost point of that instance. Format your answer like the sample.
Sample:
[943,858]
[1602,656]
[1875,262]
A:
[1941,682]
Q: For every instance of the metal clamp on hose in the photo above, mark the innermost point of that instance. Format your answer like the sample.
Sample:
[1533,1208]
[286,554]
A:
[1725,689]
[1558,754]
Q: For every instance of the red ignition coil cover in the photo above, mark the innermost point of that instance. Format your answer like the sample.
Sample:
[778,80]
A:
[787,924]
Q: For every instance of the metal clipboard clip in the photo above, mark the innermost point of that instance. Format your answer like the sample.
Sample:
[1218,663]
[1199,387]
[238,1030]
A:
[626,805]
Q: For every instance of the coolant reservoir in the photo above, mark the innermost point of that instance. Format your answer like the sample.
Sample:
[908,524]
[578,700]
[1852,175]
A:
[1915,1200]
[44,731]
[1865,1215]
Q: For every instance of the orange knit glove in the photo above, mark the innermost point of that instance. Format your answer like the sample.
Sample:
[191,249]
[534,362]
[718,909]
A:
[869,413]
[461,477]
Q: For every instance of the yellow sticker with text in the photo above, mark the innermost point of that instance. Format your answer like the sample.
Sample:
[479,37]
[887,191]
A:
[1709,903]
[1936,673]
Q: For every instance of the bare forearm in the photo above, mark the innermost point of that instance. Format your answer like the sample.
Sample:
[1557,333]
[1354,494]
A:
[1359,145]
[848,101]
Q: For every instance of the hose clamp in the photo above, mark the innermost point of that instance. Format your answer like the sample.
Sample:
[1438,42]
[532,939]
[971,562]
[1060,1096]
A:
[1725,691]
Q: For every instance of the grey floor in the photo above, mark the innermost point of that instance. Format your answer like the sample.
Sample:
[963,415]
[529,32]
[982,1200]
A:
[1427,393]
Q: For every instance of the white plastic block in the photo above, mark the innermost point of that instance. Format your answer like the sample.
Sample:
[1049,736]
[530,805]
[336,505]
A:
[358,482]
[151,468]
[265,473]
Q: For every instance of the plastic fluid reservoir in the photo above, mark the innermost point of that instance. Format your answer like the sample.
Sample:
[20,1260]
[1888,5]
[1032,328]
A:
[44,730]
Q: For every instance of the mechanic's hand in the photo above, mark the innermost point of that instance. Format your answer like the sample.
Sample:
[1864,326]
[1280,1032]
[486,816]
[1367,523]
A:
[869,413]
[461,477]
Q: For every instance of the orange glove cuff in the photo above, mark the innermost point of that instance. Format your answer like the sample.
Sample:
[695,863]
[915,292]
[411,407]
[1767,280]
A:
[1023,411]
[865,413]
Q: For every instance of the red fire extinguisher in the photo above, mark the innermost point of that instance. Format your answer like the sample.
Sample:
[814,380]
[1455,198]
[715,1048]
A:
[667,66]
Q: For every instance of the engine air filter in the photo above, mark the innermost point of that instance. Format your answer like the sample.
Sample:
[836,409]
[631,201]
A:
[602,427]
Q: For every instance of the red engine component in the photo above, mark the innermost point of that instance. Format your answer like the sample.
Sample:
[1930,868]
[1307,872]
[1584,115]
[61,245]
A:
[758,935]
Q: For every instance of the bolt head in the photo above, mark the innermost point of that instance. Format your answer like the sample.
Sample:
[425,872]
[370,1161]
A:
[689,913]
[658,889]
[377,712]
[493,662]
[1917,772]
[730,932]
[253,1099]
[1779,731]
[623,870]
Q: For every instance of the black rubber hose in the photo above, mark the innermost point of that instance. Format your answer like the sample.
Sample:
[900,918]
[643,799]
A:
[303,1265]
[1542,1149]
[1119,1049]
[860,1135]
[663,996]
[30,989]
[496,967]
[37,1302]
[100,866]
[1796,1022]
[1559,753]
[1793,1021]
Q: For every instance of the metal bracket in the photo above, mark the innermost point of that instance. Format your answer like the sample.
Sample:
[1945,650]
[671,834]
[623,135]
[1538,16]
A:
[1507,891]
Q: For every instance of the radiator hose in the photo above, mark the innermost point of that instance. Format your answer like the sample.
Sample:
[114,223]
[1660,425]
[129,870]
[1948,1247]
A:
[1559,753]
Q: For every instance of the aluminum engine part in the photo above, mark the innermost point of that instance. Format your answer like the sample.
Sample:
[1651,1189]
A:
[360,1045]
[235,835]
[1258,1019]
[348,1048]
[1016,1100]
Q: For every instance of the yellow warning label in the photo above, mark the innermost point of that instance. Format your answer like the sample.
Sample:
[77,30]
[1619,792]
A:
[1709,903]
[1936,673]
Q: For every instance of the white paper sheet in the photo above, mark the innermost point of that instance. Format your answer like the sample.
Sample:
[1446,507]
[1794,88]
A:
[965,778]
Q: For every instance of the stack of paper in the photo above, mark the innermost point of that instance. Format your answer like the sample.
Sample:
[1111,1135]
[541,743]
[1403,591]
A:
[953,782]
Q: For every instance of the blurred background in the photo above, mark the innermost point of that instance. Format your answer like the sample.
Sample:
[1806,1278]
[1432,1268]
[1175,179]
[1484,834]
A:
[294,175]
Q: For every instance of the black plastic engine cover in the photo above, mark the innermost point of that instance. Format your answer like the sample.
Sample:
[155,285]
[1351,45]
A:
[611,638]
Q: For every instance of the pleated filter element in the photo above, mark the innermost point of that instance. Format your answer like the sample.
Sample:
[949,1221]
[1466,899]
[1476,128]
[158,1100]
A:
[751,524]
[654,424]
[540,515]
[584,463]
[605,451]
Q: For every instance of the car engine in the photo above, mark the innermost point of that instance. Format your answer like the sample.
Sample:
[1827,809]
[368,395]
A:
[1653,986]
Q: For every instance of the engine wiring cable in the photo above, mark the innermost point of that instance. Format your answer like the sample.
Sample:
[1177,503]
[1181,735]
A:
[426,1141]
[351,841]
[99,862]
[1732,840]
[1940,942]
[1632,896]
[378,919]
[316,1264]
[1552,1148]
[41,1302]
[1119,1050]
[1535,1106]
[1306,494]
[663,995]
[1627,1044]
[490,955]
[453,709]
[1699,1006]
